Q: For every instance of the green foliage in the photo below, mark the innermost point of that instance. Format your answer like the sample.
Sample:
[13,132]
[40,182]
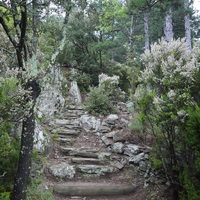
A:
[109,84]
[37,189]
[98,102]
[124,73]
[84,81]
[166,107]
[191,185]
[9,146]
[50,31]
[5,196]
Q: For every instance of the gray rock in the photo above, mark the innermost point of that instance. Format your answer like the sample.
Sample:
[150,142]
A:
[143,165]
[104,156]
[64,131]
[104,129]
[42,140]
[74,93]
[118,147]
[62,170]
[90,123]
[49,102]
[119,137]
[95,169]
[112,118]
[131,149]
[135,159]
[117,164]
[87,161]
[110,134]
[107,141]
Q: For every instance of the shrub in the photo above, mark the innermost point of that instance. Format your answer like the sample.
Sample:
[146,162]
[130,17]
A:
[84,81]
[169,76]
[109,84]
[98,102]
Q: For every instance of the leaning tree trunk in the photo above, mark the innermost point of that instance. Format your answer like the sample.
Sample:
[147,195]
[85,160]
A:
[168,29]
[27,138]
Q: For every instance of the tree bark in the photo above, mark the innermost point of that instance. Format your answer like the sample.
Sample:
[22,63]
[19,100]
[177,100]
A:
[187,26]
[27,138]
[168,29]
[146,29]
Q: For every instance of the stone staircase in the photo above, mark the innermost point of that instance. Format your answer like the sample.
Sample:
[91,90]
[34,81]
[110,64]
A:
[84,160]
[76,152]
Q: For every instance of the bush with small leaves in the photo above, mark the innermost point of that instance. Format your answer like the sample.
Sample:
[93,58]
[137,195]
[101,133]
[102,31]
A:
[165,94]
[98,102]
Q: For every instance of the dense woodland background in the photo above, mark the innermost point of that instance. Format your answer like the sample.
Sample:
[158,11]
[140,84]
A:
[152,45]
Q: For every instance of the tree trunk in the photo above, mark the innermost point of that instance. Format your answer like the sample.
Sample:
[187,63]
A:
[168,29]
[27,138]
[146,29]
[187,26]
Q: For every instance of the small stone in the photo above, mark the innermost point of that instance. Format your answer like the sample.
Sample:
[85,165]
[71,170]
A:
[107,141]
[136,158]
[131,149]
[118,147]
[104,156]
[104,129]
[110,134]
[143,165]
[112,117]
[119,137]
[117,164]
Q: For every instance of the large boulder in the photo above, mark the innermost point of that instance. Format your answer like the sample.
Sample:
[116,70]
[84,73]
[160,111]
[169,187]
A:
[49,102]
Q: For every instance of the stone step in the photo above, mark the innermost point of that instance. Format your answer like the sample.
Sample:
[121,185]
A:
[73,107]
[59,121]
[66,140]
[93,189]
[95,169]
[66,132]
[87,161]
[66,116]
[85,149]
[86,153]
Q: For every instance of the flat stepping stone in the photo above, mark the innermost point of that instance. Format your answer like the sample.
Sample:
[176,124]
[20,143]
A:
[73,107]
[84,154]
[66,132]
[94,189]
[66,140]
[64,121]
[95,169]
[67,150]
[87,161]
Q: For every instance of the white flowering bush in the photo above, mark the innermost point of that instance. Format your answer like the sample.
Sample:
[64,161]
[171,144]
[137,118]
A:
[110,86]
[164,97]
[102,99]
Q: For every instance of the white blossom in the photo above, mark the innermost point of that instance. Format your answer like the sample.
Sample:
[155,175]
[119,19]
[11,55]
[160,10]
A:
[171,94]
